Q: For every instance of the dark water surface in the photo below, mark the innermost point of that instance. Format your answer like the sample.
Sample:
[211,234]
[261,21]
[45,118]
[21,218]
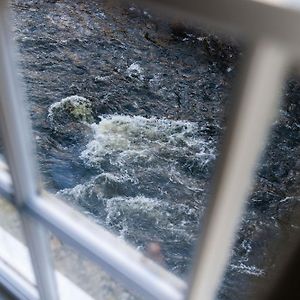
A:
[128,112]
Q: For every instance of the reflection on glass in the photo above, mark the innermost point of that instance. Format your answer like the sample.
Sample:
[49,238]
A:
[10,221]
[14,255]
[86,275]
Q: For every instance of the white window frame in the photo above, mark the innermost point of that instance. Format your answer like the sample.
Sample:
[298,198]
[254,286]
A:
[272,26]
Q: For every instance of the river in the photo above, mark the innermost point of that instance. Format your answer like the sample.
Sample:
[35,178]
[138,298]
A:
[128,113]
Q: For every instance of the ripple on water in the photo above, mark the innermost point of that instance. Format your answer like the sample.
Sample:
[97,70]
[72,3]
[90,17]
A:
[150,176]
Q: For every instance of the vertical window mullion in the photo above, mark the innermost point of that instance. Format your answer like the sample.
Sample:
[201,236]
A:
[257,101]
[16,136]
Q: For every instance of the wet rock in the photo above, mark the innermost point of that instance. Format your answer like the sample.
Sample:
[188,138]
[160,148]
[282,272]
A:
[69,119]
[70,109]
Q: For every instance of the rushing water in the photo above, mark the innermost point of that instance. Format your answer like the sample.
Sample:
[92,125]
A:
[148,181]
[128,117]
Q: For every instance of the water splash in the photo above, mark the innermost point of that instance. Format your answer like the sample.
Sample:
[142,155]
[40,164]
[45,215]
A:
[148,181]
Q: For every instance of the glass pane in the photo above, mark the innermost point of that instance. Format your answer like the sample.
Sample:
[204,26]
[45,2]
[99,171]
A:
[271,225]
[86,275]
[10,220]
[14,254]
[128,140]
[128,110]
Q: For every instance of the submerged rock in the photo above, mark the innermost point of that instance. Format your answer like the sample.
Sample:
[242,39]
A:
[70,117]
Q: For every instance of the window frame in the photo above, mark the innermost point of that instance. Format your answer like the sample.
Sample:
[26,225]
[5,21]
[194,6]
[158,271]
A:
[257,100]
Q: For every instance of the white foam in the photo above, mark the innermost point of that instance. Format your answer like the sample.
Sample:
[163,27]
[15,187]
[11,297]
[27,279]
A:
[250,270]
[147,180]
[135,70]
[135,137]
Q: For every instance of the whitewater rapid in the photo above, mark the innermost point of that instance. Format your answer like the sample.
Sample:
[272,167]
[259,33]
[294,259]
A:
[147,182]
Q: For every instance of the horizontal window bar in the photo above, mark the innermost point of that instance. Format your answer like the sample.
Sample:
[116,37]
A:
[123,262]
